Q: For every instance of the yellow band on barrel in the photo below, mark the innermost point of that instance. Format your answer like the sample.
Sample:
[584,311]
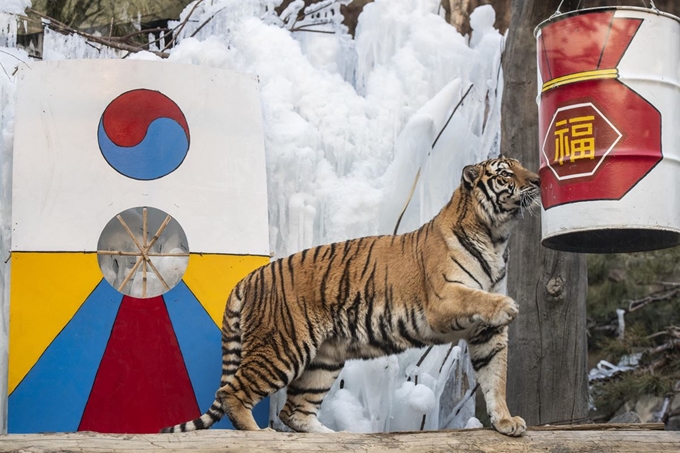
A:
[580,77]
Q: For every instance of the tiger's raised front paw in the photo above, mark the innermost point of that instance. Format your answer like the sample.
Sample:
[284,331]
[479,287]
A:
[511,426]
[506,311]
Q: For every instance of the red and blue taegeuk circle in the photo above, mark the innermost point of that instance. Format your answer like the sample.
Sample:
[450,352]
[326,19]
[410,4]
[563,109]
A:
[143,134]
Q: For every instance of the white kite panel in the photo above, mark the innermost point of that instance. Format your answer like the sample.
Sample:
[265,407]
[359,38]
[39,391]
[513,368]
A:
[79,161]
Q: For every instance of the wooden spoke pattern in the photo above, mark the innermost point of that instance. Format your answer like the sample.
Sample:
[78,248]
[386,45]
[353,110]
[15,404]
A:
[143,252]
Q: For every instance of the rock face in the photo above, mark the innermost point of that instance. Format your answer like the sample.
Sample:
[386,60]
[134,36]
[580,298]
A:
[651,409]
[626,417]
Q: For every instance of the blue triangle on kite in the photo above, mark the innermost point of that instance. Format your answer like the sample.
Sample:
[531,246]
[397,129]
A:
[52,396]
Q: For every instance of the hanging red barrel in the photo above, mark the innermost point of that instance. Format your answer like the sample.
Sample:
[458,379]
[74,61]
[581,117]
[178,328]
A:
[608,116]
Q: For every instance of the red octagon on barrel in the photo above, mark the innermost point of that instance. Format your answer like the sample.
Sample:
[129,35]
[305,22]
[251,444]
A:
[598,136]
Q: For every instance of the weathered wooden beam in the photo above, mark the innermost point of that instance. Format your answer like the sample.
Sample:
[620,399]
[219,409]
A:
[583,439]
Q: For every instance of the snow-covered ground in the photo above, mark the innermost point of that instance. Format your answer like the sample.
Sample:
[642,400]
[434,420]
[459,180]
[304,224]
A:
[349,127]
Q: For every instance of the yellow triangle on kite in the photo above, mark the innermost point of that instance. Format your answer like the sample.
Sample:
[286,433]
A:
[46,290]
[212,277]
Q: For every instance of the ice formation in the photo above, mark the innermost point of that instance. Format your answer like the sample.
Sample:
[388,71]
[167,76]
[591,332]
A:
[352,125]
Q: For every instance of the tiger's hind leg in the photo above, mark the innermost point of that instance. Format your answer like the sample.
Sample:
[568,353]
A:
[239,396]
[254,380]
[489,354]
[306,393]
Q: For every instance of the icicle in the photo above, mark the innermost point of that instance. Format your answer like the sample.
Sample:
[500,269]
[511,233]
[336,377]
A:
[8,30]
[658,416]
[621,327]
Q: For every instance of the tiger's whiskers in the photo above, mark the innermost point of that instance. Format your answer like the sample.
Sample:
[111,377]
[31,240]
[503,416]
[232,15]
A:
[529,201]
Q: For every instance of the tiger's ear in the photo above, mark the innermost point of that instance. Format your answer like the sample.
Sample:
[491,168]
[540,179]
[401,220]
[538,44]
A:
[470,175]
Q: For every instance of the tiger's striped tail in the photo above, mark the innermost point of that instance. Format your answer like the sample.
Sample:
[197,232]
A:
[205,421]
[231,358]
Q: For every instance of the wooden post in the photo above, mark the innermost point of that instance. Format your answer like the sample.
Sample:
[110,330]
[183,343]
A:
[547,375]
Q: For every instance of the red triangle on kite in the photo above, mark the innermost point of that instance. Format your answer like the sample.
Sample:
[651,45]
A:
[142,383]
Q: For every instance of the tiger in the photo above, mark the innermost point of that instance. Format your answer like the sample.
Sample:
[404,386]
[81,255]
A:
[295,321]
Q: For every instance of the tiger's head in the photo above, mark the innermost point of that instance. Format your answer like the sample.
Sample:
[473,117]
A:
[503,188]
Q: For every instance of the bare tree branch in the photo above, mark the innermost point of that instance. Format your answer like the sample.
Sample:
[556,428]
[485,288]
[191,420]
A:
[657,296]
[181,27]
[673,344]
[673,331]
[65,29]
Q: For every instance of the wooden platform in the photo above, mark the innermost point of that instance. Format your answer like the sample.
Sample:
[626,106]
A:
[583,438]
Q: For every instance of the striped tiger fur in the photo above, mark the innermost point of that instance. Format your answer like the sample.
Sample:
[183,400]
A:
[295,321]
